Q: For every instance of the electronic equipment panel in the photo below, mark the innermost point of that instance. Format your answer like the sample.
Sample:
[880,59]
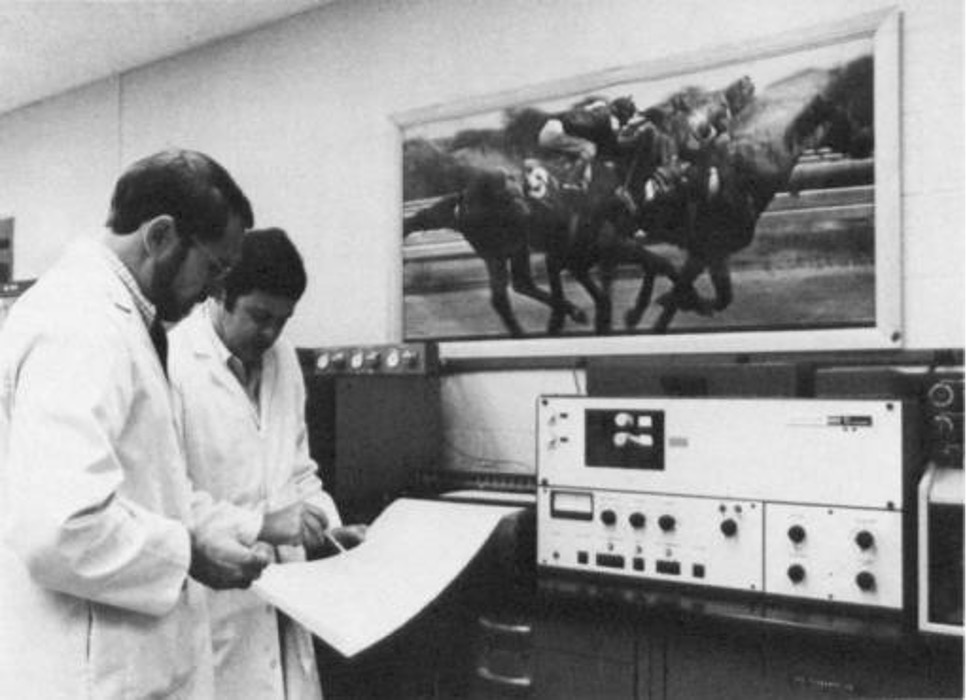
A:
[940,556]
[373,421]
[799,498]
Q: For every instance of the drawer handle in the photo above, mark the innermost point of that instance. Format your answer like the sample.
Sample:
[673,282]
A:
[823,685]
[504,628]
[516,682]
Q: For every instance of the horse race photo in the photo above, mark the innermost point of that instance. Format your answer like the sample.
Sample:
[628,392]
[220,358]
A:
[736,198]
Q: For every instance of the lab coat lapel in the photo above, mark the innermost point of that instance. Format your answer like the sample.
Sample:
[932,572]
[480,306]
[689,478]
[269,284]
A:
[204,346]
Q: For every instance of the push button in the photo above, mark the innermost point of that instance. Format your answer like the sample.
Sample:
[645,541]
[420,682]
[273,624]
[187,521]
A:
[664,566]
[611,561]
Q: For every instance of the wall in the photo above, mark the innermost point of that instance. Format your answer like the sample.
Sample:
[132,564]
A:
[300,113]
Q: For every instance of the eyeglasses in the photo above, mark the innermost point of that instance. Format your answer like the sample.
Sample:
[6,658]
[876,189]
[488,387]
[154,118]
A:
[217,268]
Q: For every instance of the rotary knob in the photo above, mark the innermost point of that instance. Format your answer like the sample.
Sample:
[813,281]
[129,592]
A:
[371,359]
[410,358]
[796,533]
[637,520]
[865,580]
[666,523]
[356,360]
[338,359]
[729,527]
[393,358]
[865,540]
[941,395]
[796,573]
[608,517]
[943,427]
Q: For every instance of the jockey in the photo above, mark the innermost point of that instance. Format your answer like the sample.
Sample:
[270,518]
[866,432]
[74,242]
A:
[586,130]
[695,122]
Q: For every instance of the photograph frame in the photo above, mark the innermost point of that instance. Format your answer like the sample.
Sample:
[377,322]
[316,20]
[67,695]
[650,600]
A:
[882,29]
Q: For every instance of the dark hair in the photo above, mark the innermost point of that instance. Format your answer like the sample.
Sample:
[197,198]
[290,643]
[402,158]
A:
[187,185]
[623,108]
[269,263]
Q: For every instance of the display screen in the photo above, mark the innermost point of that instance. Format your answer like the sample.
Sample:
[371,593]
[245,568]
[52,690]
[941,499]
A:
[624,439]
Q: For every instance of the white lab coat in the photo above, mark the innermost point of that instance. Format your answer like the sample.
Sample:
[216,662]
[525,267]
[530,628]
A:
[94,498]
[258,460]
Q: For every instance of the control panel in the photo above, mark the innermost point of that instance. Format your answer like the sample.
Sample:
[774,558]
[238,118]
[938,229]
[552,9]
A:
[398,358]
[800,498]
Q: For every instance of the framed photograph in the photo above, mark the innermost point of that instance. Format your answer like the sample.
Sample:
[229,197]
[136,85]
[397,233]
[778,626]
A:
[742,199]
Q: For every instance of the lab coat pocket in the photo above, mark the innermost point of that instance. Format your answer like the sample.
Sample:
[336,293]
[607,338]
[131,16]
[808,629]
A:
[141,656]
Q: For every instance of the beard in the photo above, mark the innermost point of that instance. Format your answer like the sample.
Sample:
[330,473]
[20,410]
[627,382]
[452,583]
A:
[169,306]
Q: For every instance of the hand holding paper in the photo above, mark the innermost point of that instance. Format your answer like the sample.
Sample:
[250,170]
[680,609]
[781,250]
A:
[353,600]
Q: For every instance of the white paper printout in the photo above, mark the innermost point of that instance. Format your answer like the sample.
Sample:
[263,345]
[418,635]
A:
[412,552]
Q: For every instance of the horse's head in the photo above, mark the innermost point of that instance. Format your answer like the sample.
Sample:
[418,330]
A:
[840,115]
[695,117]
[739,94]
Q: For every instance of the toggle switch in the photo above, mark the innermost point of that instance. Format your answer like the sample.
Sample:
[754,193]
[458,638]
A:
[622,439]
[623,420]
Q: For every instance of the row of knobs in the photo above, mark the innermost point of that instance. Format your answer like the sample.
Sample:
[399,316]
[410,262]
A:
[865,580]
[667,523]
[363,359]
[864,539]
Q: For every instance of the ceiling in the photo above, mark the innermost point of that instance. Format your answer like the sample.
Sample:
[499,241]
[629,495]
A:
[49,46]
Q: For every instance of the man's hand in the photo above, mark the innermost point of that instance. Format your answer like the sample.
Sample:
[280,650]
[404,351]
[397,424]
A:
[220,561]
[283,526]
[314,524]
[347,537]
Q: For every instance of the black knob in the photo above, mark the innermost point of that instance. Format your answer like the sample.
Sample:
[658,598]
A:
[796,572]
[608,517]
[729,527]
[864,539]
[666,522]
[796,533]
[865,581]
[637,520]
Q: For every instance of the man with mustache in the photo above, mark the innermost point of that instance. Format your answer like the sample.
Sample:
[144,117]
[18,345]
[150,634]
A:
[105,545]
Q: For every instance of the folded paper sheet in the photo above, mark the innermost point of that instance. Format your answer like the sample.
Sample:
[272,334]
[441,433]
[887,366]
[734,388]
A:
[412,552]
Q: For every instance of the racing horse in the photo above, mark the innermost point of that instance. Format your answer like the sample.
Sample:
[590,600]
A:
[569,221]
[492,215]
[751,163]
[568,224]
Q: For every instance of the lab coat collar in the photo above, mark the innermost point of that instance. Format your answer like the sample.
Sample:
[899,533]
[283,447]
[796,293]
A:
[204,343]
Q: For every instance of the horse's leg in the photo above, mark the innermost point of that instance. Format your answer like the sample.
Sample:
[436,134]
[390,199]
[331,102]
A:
[557,310]
[499,298]
[522,280]
[720,273]
[603,323]
[683,290]
[602,306]
[652,265]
